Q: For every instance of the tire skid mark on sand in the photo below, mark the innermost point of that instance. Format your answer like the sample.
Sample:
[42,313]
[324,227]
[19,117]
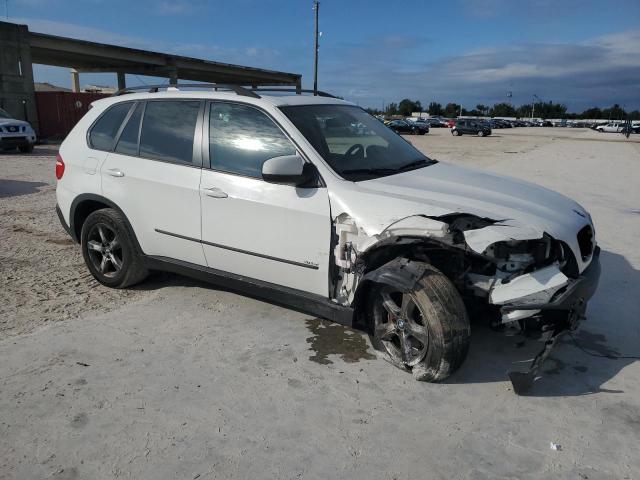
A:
[42,273]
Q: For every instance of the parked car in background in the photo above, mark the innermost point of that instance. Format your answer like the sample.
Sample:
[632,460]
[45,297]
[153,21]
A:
[422,125]
[450,123]
[435,122]
[611,127]
[402,126]
[500,123]
[15,133]
[471,127]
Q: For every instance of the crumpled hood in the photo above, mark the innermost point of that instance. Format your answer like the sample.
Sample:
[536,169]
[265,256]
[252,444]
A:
[524,210]
[13,121]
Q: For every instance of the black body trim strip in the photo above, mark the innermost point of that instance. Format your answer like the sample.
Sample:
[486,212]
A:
[233,249]
[291,298]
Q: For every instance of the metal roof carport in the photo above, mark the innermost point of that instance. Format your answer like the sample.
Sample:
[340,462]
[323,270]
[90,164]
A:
[20,49]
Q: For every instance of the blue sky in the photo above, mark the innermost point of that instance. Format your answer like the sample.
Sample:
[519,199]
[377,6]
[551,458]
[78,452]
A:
[580,53]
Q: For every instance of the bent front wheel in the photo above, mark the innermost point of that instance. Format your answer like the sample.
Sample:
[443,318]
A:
[425,330]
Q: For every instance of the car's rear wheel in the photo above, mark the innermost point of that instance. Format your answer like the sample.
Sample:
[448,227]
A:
[481,133]
[455,133]
[26,148]
[425,330]
[109,250]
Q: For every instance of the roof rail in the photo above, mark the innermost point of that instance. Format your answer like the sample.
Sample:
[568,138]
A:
[246,92]
[155,88]
[319,93]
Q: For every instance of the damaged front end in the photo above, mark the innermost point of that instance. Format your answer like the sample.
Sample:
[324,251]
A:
[519,272]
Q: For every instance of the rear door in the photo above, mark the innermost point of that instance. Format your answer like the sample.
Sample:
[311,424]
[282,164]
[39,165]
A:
[274,233]
[153,175]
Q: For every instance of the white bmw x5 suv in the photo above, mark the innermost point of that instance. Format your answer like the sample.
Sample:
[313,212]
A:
[280,197]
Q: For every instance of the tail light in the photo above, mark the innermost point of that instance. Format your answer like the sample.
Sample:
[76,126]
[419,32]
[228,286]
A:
[59,167]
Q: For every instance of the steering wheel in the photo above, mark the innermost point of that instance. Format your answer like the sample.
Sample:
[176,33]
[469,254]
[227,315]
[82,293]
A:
[353,149]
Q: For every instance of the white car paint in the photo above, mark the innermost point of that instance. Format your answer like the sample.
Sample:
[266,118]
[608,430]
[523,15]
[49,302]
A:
[12,128]
[257,221]
[614,127]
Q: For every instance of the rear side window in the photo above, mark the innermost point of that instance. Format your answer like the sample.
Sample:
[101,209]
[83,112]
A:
[104,131]
[241,138]
[128,142]
[167,132]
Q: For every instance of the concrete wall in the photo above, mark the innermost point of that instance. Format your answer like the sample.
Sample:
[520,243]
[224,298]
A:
[17,94]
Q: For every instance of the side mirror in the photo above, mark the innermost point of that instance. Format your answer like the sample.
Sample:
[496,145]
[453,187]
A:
[288,170]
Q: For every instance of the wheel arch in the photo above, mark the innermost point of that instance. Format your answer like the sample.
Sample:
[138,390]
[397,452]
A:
[87,203]
[389,261]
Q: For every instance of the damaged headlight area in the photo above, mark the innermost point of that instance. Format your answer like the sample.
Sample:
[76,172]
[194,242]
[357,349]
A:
[523,273]
[519,275]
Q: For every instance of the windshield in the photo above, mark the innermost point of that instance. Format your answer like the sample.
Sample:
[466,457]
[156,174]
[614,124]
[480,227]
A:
[355,144]
[4,114]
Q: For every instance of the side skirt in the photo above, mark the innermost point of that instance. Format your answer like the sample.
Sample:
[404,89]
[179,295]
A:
[288,297]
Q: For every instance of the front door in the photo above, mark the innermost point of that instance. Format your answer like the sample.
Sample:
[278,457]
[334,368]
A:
[274,233]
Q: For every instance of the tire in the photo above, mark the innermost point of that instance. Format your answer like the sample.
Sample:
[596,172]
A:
[481,133]
[455,133]
[26,148]
[109,251]
[432,320]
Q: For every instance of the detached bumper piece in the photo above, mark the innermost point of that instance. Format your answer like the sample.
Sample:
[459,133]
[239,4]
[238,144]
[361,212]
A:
[564,313]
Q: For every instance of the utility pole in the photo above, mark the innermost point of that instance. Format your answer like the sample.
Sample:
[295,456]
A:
[316,8]
[6,8]
[533,104]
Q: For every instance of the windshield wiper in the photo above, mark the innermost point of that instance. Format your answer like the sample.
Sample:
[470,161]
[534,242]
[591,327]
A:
[374,171]
[423,162]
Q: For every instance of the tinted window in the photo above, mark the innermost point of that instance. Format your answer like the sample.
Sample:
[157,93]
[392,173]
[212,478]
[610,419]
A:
[104,131]
[241,138]
[167,130]
[128,142]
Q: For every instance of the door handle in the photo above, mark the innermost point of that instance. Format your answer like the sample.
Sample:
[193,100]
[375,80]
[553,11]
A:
[215,193]
[114,172]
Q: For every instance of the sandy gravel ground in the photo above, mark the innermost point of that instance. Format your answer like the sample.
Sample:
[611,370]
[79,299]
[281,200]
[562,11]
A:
[180,380]
[43,275]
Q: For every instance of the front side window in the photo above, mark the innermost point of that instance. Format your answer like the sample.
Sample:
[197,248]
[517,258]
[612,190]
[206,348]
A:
[104,131]
[168,129]
[241,138]
[355,144]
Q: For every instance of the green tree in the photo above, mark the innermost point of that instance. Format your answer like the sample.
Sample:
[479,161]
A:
[435,109]
[406,107]
[483,109]
[502,110]
[392,109]
[523,111]
[452,110]
[614,113]
[594,112]
[550,110]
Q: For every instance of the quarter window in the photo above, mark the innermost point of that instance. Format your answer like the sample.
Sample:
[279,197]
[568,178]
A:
[168,128]
[241,138]
[128,142]
[104,131]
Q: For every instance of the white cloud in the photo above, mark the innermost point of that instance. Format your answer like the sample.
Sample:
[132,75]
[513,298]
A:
[174,8]
[603,70]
